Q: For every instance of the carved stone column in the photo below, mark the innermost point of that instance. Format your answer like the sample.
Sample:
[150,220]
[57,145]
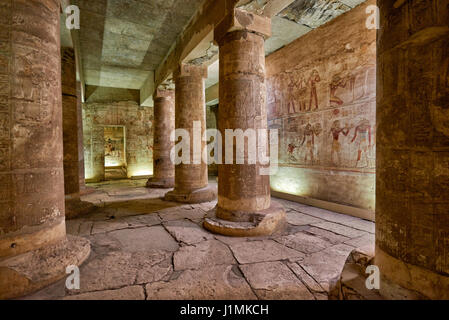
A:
[244,202]
[191,180]
[412,187]
[34,249]
[70,113]
[164,125]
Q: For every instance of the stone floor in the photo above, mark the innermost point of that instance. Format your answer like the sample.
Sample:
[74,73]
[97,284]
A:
[146,248]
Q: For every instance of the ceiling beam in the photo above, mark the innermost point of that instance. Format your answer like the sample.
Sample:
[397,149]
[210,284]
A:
[273,7]
[200,27]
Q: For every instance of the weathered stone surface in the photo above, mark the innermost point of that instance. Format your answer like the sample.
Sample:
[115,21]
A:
[152,266]
[327,235]
[191,180]
[306,278]
[202,255]
[304,242]
[275,281]
[323,102]
[107,226]
[352,282]
[144,239]
[127,293]
[214,283]
[27,272]
[187,232]
[340,229]
[412,182]
[266,250]
[184,212]
[164,124]
[325,266]
[70,122]
[300,219]
[363,244]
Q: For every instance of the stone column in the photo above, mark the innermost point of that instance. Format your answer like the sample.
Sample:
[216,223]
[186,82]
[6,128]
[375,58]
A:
[191,180]
[71,131]
[164,124]
[244,202]
[412,187]
[34,249]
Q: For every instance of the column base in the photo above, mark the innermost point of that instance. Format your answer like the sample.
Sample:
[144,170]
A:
[31,271]
[351,284]
[161,183]
[87,190]
[75,208]
[404,281]
[265,223]
[205,194]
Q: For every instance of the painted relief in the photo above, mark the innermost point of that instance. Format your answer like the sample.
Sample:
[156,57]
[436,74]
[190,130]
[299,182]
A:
[325,113]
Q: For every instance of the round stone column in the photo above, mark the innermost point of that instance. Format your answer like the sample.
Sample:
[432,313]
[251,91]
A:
[191,180]
[34,249]
[244,202]
[71,131]
[412,185]
[164,125]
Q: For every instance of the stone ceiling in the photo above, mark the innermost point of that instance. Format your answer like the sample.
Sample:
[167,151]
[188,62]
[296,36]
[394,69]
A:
[122,41]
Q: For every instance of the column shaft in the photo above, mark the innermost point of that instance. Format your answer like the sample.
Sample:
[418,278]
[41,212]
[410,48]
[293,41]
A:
[32,222]
[72,129]
[242,106]
[244,204]
[164,125]
[70,122]
[191,179]
[412,187]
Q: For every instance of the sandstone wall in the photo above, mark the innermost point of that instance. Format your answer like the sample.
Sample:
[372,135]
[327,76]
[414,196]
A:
[322,98]
[138,123]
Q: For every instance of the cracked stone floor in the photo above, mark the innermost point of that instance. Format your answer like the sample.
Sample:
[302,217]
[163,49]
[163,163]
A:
[146,248]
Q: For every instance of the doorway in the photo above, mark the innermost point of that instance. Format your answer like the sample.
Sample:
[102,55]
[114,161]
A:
[115,165]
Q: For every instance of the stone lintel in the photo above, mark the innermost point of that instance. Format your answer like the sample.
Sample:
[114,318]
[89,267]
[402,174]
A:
[240,20]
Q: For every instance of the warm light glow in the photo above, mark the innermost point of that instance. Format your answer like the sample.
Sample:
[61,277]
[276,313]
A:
[112,163]
[289,181]
[140,171]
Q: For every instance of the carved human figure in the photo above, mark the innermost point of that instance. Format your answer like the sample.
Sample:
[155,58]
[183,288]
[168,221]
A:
[290,100]
[309,136]
[338,82]
[300,91]
[336,130]
[278,95]
[314,78]
[363,136]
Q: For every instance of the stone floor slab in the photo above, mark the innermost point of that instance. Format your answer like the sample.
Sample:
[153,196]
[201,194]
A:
[326,266]
[304,242]
[260,251]
[145,239]
[187,232]
[301,219]
[202,255]
[214,283]
[275,281]
[340,229]
[127,293]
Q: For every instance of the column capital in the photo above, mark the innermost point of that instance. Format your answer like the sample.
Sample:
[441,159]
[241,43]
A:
[190,70]
[164,93]
[241,20]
